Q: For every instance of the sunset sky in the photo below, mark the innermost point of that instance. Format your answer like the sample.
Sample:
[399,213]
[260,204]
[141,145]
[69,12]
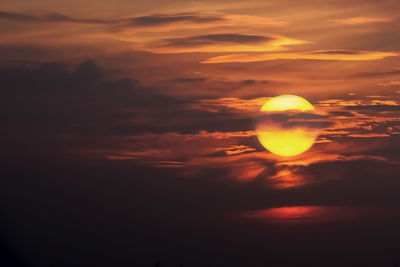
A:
[128,133]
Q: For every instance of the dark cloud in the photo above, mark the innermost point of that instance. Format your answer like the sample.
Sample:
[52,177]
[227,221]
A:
[16,16]
[56,17]
[388,148]
[51,100]
[342,113]
[84,210]
[293,120]
[224,38]
[336,52]
[190,79]
[248,82]
[143,21]
[359,182]
[160,19]
[50,77]
[51,17]
[104,213]
[374,108]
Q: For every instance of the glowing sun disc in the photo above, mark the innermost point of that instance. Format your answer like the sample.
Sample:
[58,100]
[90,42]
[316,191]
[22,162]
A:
[286,142]
[287,102]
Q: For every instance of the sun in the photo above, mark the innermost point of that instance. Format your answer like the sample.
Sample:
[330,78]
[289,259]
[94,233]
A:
[287,102]
[281,140]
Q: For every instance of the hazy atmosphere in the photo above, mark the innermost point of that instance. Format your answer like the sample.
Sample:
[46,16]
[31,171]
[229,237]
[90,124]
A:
[131,133]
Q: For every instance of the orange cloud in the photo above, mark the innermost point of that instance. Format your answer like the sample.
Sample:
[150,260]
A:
[292,214]
[285,178]
[356,102]
[315,55]
[390,83]
[251,105]
[222,42]
[368,135]
[238,149]
[317,214]
[361,20]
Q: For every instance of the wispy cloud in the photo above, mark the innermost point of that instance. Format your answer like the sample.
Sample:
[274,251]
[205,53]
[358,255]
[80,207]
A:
[148,21]
[362,20]
[173,32]
[211,39]
[161,19]
[314,55]
[389,83]
[140,21]
[223,42]
[50,17]
[190,79]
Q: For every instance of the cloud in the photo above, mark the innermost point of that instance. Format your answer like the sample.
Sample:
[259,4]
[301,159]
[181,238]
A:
[342,113]
[210,39]
[189,79]
[231,103]
[222,28]
[371,117]
[161,19]
[336,52]
[248,82]
[238,149]
[374,108]
[289,120]
[51,17]
[368,135]
[337,55]
[390,83]
[139,202]
[87,103]
[142,21]
[167,22]
[361,20]
[222,42]
[142,201]
[70,120]
[377,74]
[51,77]
[16,16]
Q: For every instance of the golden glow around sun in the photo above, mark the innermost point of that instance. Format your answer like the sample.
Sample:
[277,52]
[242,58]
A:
[286,141]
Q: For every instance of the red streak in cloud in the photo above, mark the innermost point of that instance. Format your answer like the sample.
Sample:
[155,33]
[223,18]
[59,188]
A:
[310,213]
[318,214]
[288,213]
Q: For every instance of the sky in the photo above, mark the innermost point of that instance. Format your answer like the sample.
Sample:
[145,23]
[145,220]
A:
[128,133]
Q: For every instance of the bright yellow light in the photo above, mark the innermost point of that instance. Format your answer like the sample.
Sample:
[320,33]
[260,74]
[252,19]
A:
[283,141]
[287,102]
[286,143]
